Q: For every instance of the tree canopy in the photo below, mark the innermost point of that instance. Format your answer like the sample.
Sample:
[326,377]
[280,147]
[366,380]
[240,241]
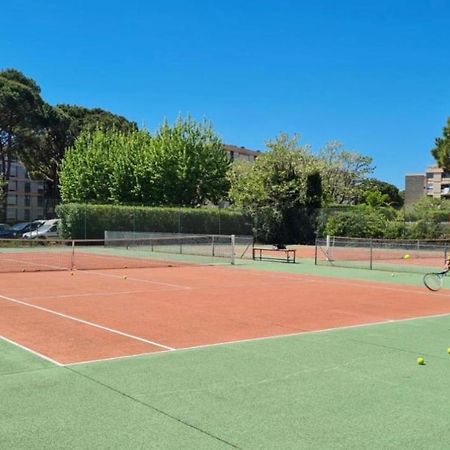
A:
[184,164]
[342,173]
[21,112]
[441,151]
[280,188]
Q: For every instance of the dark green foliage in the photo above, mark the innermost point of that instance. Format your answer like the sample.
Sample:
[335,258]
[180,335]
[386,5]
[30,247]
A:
[86,119]
[379,193]
[280,191]
[441,151]
[20,114]
[90,221]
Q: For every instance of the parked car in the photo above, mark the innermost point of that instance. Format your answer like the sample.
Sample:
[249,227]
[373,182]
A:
[4,229]
[49,229]
[17,230]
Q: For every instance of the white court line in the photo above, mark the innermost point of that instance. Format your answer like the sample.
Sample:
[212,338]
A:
[263,338]
[31,351]
[371,284]
[104,274]
[102,294]
[29,263]
[92,324]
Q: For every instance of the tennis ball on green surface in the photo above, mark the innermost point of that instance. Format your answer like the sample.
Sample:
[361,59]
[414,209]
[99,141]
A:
[448,350]
[392,274]
[420,361]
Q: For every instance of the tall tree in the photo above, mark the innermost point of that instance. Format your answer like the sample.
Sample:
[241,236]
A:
[60,127]
[441,151]
[20,113]
[342,173]
[279,190]
[184,164]
[387,193]
[192,163]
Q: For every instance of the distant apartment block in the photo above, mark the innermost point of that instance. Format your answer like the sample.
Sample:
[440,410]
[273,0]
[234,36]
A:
[25,196]
[242,153]
[435,182]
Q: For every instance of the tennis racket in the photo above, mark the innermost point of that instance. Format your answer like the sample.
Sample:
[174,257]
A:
[434,281]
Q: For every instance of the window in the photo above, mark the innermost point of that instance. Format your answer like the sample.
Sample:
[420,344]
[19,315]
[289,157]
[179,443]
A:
[27,200]
[26,215]
[40,201]
[12,199]
[27,186]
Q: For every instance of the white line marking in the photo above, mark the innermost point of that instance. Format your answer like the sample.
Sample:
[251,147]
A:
[92,324]
[29,263]
[371,284]
[278,336]
[103,294]
[177,286]
[31,351]
[113,358]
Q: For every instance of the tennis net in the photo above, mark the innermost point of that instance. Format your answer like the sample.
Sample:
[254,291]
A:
[381,254]
[30,255]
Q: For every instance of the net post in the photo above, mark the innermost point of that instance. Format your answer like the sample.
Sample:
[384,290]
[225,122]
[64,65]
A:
[371,254]
[212,245]
[233,249]
[72,256]
[315,253]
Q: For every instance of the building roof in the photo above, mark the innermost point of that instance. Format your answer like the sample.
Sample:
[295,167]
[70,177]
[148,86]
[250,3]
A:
[241,150]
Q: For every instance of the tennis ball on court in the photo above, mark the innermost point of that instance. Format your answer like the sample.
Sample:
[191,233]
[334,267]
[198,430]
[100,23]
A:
[392,274]
[420,361]
[407,256]
[448,350]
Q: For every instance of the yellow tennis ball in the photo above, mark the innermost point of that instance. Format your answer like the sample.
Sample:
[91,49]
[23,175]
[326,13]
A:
[392,274]
[407,256]
[420,361]
[448,350]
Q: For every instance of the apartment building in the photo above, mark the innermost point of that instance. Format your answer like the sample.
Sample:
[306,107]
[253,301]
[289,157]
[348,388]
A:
[435,182]
[242,153]
[25,196]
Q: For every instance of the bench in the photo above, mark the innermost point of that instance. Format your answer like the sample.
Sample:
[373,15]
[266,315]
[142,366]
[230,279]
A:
[283,254]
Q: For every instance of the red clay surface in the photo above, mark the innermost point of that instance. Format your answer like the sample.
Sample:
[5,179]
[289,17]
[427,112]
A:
[156,309]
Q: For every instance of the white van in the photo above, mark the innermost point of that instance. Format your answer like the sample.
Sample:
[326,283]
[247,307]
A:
[49,229]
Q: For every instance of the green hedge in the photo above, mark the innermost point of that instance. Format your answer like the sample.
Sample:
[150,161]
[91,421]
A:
[80,221]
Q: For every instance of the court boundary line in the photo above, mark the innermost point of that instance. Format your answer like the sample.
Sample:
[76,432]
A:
[372,284]
[94,272]
[256,339]
[34,352]
[102,294]
[85,322]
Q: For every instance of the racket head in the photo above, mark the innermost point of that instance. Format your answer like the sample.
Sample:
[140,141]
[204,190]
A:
[433,281]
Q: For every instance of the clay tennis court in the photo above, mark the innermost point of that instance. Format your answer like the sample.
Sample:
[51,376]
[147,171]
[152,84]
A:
[87,315]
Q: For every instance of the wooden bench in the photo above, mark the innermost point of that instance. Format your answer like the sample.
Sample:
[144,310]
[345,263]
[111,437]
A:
[283,254]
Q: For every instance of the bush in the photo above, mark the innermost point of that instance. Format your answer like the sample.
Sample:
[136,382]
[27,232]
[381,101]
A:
[80,221]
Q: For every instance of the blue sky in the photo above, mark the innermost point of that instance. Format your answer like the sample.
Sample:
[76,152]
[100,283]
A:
[371,74]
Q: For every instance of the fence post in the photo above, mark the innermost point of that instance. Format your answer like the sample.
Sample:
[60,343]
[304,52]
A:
[233,253]
[315,253]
